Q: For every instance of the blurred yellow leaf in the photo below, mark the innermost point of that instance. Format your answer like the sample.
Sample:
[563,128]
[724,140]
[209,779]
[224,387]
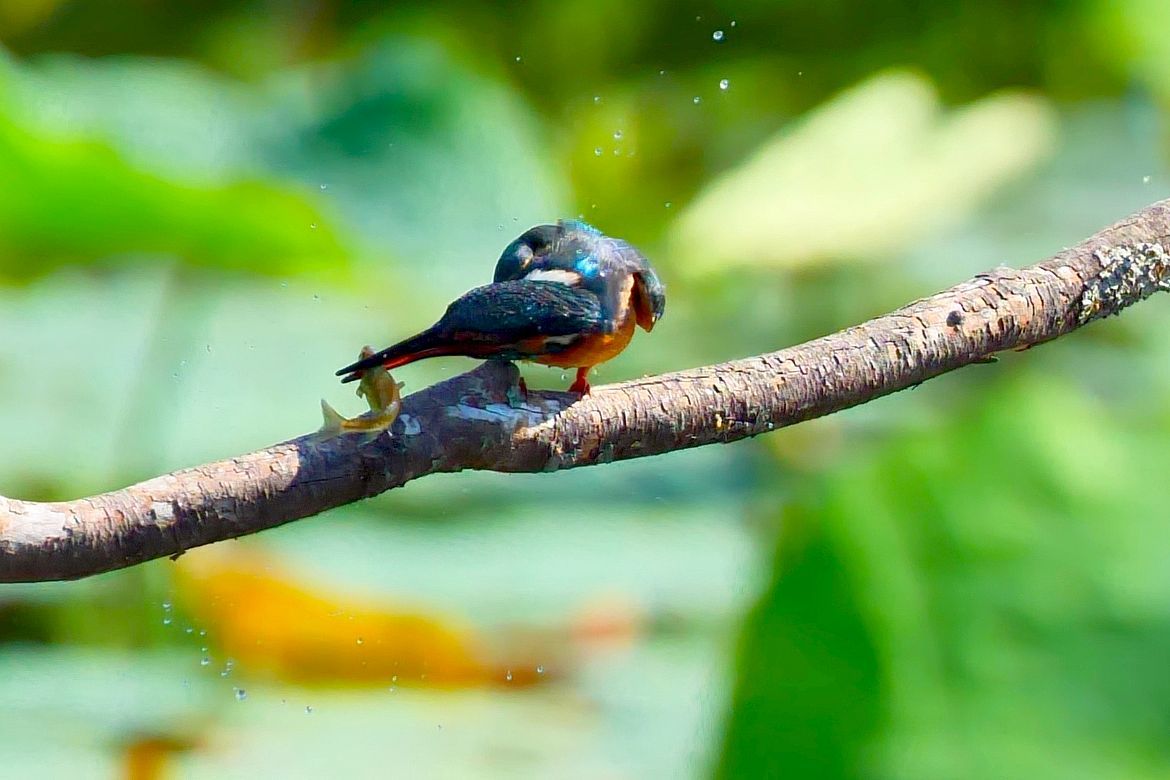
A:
[860,177]
[269,622]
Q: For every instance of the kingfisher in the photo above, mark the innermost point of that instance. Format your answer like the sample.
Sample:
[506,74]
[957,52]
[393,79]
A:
[563,295]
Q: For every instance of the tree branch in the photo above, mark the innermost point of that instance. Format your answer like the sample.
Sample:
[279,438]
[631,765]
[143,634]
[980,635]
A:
[467,422]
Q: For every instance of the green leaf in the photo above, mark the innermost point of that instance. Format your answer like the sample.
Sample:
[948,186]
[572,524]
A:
[78,198]
[983,600]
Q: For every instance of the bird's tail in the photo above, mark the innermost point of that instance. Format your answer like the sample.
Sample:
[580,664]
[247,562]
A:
[427,344]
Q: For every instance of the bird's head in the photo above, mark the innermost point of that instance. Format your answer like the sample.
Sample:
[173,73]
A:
[551,248]
[574,252]
[517,258]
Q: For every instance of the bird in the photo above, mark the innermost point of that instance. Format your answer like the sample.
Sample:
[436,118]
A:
[562,294]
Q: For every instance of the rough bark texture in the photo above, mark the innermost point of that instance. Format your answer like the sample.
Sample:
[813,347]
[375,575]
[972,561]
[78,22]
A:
[467,422]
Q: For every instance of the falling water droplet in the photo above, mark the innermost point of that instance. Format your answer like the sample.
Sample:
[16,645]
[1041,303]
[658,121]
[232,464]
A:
[697,100]
[204,661]
[733,23]
[1145,180]
[361,641]
[668,204]
[308,709]
[241,694]
[312,226]
[597,98]
[517,58]
[167,619]
[617,135]
[540,669]
[324,186]
[717,36]
[724,84]
[508,676]
[597,152]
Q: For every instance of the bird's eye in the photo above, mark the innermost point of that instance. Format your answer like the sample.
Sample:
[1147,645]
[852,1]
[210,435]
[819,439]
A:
[524,255]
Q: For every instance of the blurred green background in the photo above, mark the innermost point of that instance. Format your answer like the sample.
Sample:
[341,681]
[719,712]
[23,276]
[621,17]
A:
[205,208]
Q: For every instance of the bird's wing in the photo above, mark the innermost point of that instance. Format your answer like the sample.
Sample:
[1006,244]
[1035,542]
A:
[523,317]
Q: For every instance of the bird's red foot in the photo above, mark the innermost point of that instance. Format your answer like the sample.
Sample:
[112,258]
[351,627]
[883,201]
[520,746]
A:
[581,385]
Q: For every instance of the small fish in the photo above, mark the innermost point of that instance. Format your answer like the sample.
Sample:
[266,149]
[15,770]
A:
[382,394]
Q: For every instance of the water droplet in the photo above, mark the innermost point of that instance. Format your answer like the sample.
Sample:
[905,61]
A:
[228,665]
[617,135]
[508,676]
[308,709]
[361,641]
[241,694]
[324,186]
[517,58]
[167,620]
[696,100]
[204,661]
[1145,180]
[733,23]
[717,36]
[188,630]
[597,152]
[597,98]
[203,632]
[668,204]
[312,226]
[662,73]
[166,605]
[724,84]
[540,669]
[617,152]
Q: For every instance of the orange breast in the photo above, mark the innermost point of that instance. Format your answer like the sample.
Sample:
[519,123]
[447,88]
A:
[592,350]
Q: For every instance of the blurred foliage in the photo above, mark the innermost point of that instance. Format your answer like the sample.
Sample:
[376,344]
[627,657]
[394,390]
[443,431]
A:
[863,175]
[261,617]
[217,203]
[984,599]
[77,200]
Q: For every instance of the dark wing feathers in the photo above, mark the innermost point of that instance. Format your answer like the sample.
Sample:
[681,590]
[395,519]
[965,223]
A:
[511,311]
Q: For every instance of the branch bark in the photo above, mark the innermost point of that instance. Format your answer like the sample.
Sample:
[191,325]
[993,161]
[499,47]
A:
[467,422]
